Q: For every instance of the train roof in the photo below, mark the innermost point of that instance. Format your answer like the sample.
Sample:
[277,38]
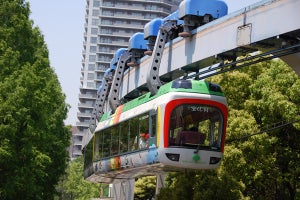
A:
[180,85]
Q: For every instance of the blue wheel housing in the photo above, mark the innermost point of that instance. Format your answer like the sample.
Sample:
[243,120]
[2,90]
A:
[116,57]
[152,28]
[215,8]
[137,41]
[174,16]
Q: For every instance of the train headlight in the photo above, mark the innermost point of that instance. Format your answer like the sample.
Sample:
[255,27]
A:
[173,156]
[214,160]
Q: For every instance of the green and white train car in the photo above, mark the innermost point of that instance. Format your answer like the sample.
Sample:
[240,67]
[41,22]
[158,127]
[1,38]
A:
[183,126]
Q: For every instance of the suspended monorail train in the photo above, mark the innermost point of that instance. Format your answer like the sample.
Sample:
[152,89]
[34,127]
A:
[182,126]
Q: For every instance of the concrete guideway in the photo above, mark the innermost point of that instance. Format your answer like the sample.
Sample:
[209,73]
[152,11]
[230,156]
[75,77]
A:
[264,26]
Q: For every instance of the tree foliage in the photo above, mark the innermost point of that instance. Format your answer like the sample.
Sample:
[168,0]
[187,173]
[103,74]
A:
[73,185]
[144,188]
[33,138]
[265,165]
[196,185]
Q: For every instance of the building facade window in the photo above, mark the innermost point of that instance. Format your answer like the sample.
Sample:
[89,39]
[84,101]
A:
[91,67]
[95,22]
[93,49]
[92,58]
[95,12]
[90,76]
[90,84]
[96,3]
[94,31]
[93,40]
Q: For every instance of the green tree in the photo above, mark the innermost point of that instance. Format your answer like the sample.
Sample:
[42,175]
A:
[266,163]
[76,187]
[33,138]
[206,184]
[144,188]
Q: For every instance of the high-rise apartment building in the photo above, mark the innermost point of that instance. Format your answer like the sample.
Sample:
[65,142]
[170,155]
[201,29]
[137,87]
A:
[108,26]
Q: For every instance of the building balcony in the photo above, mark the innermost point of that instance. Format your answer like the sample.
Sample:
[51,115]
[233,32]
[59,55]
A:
[76,153]
[79,133]
[84,88]
[77,138]
[105,52]
[113,43]
[100,69]
[124,17]
[88,88]
[107,61]
[87,96]
[121,26]
[159,8]
[86,105]
[77,142]
[84,115]
[83,124]
[117,33]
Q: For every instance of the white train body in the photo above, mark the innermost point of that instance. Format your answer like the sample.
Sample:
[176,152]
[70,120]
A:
[178,129]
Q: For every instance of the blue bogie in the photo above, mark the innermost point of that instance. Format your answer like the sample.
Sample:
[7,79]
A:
[215,8]
[152,28]
[137,41]
[174,16]
[116,57]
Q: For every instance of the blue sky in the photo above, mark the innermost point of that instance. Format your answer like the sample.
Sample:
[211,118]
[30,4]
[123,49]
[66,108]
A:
[62,24]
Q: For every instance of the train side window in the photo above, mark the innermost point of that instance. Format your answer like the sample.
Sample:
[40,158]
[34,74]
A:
[97,146]
[143,131]
[114,140]
[88,164]
[106,143]
[152,131]
[124,136]
[133,133]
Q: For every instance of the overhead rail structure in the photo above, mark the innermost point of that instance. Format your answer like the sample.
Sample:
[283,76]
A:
[269,26]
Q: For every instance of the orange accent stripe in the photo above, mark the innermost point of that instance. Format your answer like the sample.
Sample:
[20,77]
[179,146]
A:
[118,114]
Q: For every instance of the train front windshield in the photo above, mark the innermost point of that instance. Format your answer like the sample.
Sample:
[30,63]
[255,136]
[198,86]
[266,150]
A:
[196,126]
